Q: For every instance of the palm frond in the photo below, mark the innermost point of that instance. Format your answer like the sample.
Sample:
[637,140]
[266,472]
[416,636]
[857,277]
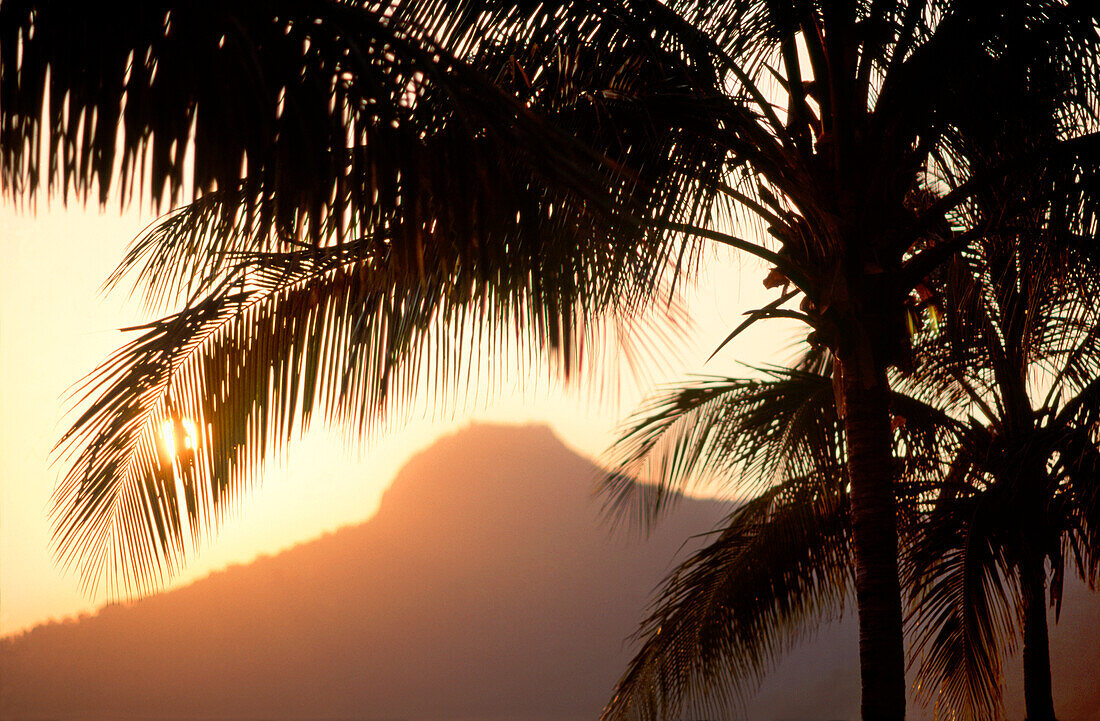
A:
[337,330]
[463,177]
[355,113]
[748,433]
[744,433]
[780,565]
[1074,472]
[963,609]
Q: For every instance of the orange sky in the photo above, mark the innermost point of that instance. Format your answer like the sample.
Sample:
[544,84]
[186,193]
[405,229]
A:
[55,326]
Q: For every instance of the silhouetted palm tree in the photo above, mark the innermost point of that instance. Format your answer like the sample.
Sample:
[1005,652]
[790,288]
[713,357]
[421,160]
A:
[985,504]
[782,562]
[364,185]
[1022,488]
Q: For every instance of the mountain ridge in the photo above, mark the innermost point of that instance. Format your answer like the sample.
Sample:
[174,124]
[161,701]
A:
[447,549]
[484,587]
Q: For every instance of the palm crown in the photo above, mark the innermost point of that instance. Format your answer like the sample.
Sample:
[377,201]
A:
[983,504]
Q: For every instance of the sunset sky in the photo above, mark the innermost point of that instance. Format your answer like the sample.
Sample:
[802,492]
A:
[56,325]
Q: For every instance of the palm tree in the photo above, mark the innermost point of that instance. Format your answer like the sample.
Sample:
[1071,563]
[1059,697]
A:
[782,562]
[984,504]
[368,177]
[1022,486]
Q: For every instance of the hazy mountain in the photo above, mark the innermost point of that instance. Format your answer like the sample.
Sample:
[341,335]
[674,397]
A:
[484,588]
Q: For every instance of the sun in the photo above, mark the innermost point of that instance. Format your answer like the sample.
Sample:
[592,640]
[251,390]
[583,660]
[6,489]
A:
[178,435]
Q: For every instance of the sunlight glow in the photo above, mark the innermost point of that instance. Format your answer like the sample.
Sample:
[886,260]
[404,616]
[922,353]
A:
[68,333]
[185,427]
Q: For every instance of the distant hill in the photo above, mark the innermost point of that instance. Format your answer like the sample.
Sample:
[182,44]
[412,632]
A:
[484,588]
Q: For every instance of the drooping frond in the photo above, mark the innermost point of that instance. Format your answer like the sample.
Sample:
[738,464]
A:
[394,116]
[269,94]
[569,137]
[1075,479]
[454,223]
[780,564]
[963,601]
[337,330]
[744,433]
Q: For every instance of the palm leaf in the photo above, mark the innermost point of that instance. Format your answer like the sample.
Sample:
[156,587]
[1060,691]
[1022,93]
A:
[780,565]
[747,433]
[963,605]
[336,330]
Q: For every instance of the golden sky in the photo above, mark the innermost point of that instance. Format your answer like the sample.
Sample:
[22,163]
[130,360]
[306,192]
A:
[56,325]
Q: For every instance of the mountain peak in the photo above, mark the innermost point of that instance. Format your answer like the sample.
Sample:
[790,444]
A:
[483,587]
[485,469]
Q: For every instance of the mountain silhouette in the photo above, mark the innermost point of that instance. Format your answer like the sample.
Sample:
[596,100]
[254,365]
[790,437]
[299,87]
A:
[484,588]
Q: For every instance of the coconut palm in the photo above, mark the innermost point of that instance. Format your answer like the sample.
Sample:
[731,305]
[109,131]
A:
[1020,343]
[984,504]
[781,563]
[369,177]
[1020,494]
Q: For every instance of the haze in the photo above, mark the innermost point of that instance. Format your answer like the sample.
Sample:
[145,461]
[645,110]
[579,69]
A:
[56,325]
[484,588]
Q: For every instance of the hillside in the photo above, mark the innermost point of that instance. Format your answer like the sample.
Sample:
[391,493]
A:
[484,588]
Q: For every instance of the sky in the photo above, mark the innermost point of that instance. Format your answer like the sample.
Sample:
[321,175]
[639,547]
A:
[56,324]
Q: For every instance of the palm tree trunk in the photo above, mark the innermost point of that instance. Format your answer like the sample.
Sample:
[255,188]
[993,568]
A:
[866,400]
[1038,698]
